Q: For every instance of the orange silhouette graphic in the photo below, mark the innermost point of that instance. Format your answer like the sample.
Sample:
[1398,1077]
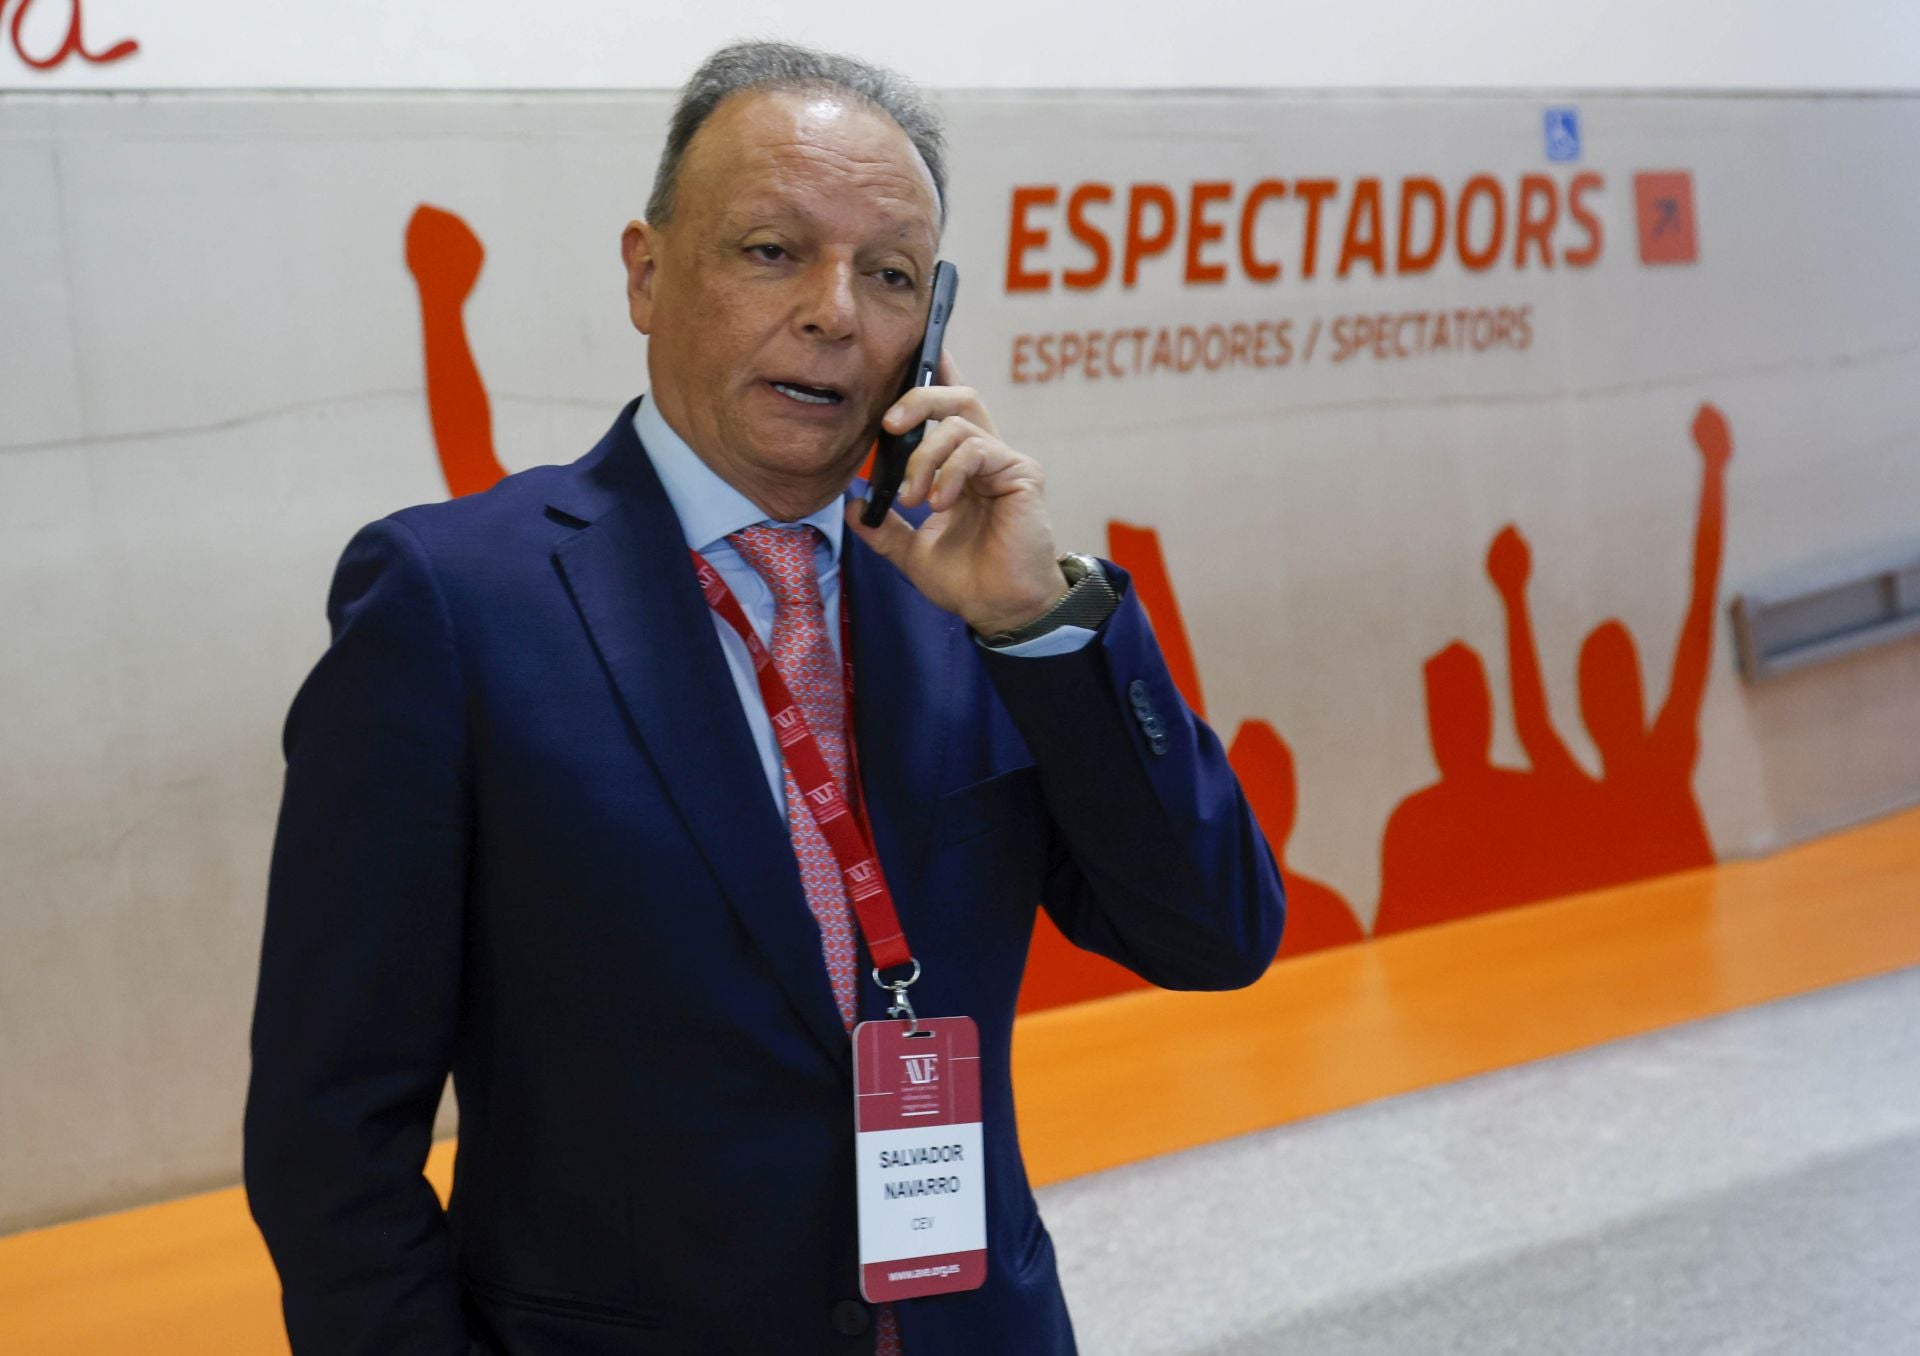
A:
[445,256]
[1471,842]
[1059,972]
[1649,822]
[1317,915]
[1485,838]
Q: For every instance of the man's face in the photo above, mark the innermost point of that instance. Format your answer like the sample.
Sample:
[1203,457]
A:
[788,293]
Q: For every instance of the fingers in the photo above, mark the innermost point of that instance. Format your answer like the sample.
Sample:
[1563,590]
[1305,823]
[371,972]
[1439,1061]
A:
[892,539]
[947,399]
[936,402]
[943,440]
[957,457]
[961,452]
[977,458]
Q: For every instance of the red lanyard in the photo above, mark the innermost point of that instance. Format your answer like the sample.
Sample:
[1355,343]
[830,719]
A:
[841,824]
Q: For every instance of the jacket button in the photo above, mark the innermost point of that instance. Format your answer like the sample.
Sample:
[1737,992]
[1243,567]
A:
[1137,694]
[1158,745]
[850,1318]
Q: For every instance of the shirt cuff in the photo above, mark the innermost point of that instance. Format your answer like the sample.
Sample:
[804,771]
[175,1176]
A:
[1060,640]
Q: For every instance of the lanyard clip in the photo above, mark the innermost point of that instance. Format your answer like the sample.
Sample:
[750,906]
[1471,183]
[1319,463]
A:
[902,1006]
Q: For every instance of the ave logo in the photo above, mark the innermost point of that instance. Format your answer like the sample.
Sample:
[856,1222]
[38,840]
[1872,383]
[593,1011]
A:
[922,1070]
[863,881]
[828,805]
[789,726]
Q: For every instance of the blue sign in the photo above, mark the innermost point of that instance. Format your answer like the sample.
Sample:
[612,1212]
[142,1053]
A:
[1563,133]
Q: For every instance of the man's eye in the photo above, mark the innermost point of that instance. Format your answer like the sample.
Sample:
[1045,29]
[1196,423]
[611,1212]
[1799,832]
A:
[769,252]
[894,277]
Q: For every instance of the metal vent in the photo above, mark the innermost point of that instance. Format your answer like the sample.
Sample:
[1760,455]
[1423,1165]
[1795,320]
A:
[1811,617]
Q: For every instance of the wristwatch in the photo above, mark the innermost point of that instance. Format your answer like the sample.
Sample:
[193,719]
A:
[1090,600]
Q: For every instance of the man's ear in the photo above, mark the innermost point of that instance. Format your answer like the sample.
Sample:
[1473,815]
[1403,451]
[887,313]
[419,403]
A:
[639,245]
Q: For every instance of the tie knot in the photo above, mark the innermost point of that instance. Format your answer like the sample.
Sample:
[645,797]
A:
[783,556]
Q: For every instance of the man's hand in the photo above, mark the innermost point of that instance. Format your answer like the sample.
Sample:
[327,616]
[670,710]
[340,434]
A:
[1711,436]
[1509,562]
[986,554]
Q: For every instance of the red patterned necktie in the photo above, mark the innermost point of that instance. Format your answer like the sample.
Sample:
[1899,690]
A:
[803,657]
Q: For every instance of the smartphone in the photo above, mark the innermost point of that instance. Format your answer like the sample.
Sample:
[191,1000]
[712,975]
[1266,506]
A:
[890,456]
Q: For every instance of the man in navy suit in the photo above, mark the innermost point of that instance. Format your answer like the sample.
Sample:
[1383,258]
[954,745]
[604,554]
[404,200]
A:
[535,829]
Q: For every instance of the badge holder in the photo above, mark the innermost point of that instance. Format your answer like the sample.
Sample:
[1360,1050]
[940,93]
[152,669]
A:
[918,1169]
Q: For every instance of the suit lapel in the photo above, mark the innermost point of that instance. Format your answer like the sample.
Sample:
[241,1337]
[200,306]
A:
[628,573]
[904,652]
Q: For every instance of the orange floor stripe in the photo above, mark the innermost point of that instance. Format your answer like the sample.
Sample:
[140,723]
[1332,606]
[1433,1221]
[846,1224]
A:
[1131,1077]
[184,1278]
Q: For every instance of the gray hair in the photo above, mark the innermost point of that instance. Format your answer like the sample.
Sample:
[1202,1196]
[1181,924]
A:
[782,66]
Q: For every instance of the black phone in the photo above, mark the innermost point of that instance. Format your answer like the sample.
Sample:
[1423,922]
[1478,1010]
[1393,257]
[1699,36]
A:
[890,455]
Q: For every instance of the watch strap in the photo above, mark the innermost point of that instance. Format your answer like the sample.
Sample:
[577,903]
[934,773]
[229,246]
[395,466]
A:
[1089,600]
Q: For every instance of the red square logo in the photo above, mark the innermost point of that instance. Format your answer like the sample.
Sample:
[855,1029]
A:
[1663,203]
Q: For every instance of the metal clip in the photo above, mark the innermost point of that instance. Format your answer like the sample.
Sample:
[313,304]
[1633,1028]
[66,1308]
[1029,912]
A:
[902,1006]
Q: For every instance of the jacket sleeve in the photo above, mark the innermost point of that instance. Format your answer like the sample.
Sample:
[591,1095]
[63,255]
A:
[1157,862]
[360,969]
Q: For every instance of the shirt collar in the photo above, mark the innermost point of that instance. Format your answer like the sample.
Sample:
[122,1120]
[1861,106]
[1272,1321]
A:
[708,508]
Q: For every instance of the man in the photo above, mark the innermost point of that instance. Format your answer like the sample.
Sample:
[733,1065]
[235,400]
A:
[538,828]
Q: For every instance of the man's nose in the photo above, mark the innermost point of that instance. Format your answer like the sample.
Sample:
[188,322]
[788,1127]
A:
[828,309]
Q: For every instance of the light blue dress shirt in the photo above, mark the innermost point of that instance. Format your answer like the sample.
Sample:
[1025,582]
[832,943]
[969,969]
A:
[709,509]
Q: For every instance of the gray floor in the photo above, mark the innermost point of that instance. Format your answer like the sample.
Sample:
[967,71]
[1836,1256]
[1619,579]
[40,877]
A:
[1740,1186]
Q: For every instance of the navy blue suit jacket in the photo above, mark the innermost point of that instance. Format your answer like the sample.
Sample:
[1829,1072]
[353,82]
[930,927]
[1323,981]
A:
[525,837]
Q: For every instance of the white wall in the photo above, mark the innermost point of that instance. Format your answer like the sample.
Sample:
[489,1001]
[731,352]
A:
[212,376]
[1000,44]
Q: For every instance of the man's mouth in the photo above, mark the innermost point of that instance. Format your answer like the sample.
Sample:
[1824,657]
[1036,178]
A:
[807,395]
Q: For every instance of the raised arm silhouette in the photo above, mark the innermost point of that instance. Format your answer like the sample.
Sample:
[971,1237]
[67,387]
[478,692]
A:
[1510,566]
[1676,734]
[1573,817]
[1647,774]
[445,256]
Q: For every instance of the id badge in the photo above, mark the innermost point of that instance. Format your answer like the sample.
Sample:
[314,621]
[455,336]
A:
[919,1175]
